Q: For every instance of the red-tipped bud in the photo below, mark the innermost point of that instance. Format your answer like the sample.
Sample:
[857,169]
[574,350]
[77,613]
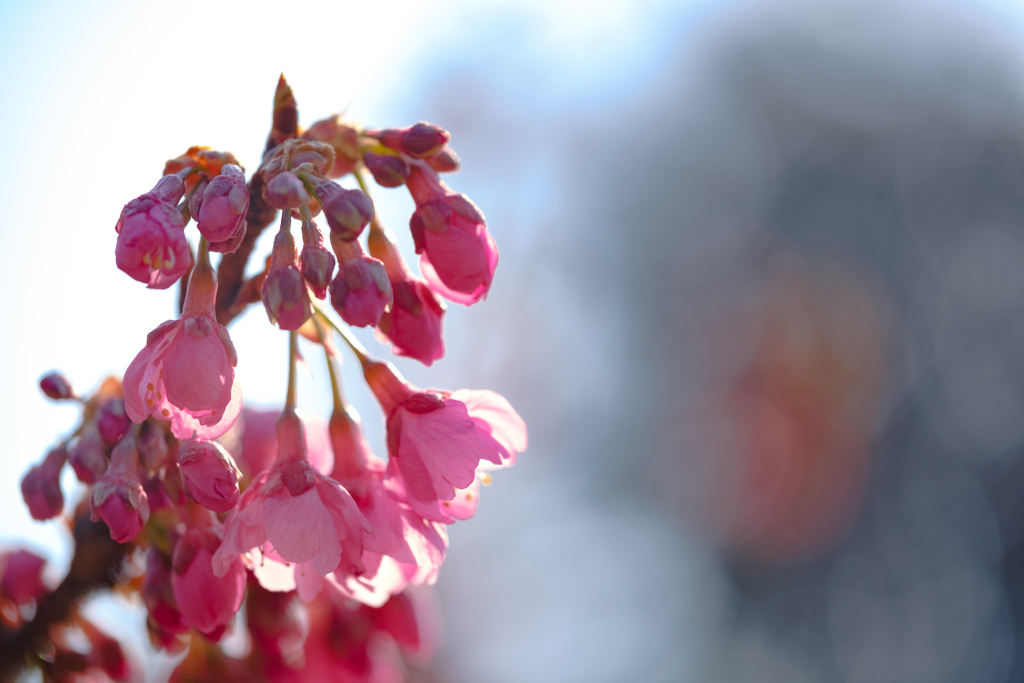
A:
[285,191]
[361,291]
[56,386]
[317,264]
[88,457]
[389,170]
[112,421]
[41,486]
[445,161]
[347,211]
[284,291]
[209,473]
[420,141]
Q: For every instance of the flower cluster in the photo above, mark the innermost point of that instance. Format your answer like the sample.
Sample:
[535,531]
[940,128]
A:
[217,505]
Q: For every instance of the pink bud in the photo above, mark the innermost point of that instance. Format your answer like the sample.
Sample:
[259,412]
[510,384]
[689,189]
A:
[420,141]
[207,602]
[209,474]
[152,443]
[56,386]
[21,576]
[285,191]
[361,291]
[389,170]
[225,201]
[112,421]
[41,486]
[343,136]
[88,457]
[347,211]
[284,291]
[118,498]
[445,161]
[317,268]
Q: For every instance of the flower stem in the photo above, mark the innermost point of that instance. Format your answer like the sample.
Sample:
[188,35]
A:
[357,348]
[339,404]
[293,359]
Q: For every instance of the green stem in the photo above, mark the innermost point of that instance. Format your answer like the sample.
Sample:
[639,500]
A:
[357,348]
[293,359]
[339,404]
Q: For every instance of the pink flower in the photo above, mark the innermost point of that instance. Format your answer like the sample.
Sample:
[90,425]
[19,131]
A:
[305,515]
[420,141]
[186,372]
[414,323]
[87,456]
[457,253]
[347,211]
[118,498]
[151,245]
[209,473]
[317,262]
[111,420]
[223,205]
[207,601]
[41,486]
[435,442]
[21,576]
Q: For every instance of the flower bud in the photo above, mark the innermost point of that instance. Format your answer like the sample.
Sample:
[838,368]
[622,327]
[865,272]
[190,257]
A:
[347,211]
[361,291]
[445,161]
[152,444]
[87,457]
[225,201]
[41,486]
[21,576]
[56,386]
[343,136]
[284,291]
[414,323]
[118,498]
[389,170]
[151,245]
[112,421]
[420,141]
[209,473]
[285,191]
[207,602]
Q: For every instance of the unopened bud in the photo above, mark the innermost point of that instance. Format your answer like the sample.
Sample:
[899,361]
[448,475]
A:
[445,161]
[285,191]
[88,457]
[112,421]
[347,211]
[284,291]
[56,386]
[343,136]
[317,268]
[40,488]
[209,474]
[21,576]
[361,291]
[389,170]
[152,443]
[420,141]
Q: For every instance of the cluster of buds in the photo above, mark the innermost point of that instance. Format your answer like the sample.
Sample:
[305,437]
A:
[220,505]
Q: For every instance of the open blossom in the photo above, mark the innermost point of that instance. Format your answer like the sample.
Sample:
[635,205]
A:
[303,514]
[457,253]
[435,442]
[151,245]
[186,372]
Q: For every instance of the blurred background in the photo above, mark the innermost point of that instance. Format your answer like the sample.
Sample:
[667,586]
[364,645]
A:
[760,302]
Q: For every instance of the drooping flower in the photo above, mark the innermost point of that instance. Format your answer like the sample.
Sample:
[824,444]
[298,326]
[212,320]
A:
[151,245]
[206,599]
[303,514]
[457,253]
[435,444]
[361,292]
[186,372]
[222,205]
[209,473]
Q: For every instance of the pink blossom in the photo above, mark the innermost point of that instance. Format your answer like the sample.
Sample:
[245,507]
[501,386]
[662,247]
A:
[303,514]
[223,205]
[209,473]
[186,372]
[118,498]
[435,442]
[414,323]
[41,486]
[111,420]
[347,211]
[206,599]
[457,253]
[284,291]
[151,245]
